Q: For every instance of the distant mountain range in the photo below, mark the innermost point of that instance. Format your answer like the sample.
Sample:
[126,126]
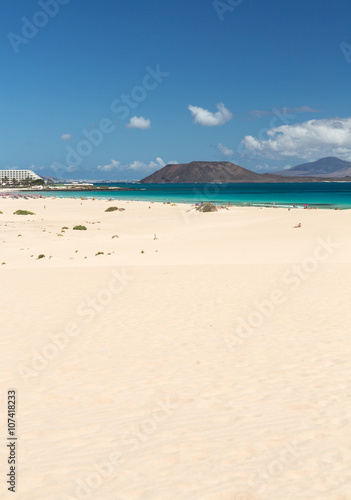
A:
[216,172]
[325,167]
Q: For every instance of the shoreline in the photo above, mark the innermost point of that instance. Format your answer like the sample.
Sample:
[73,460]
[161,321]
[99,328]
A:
[5,194]
[154,233]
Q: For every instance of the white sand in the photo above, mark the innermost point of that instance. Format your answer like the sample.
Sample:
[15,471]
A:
[162,387]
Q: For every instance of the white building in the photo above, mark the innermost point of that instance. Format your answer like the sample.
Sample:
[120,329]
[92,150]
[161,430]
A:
[18,175]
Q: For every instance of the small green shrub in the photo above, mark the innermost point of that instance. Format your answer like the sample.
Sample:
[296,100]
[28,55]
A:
[41,256]
[1,212]
[65,227]
[23,212]
[111,209]
[99,253]
[80,228]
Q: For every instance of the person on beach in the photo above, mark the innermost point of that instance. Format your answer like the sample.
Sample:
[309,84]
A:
[298,225]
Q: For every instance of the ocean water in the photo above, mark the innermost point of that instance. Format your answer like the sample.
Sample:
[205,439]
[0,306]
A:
[321,194]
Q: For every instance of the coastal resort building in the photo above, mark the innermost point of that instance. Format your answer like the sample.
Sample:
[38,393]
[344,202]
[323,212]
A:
[18,175]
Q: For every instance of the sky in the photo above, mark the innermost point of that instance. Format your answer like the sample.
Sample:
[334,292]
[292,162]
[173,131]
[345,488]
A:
[116,90]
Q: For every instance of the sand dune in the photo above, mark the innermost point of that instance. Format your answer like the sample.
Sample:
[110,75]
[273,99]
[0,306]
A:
[215,365]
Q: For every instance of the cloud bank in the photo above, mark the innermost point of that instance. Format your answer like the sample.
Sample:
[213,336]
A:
[205,118]
[113,165]
[310,140]
[135,165]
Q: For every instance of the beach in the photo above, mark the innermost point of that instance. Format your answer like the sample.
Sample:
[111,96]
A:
[165,353]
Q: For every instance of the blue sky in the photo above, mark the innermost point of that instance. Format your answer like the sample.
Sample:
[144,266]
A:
[114,90]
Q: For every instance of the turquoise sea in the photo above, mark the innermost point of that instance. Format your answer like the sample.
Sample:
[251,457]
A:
[321,194]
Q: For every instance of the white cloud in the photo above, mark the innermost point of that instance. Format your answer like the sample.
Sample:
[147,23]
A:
[160,161]
[207,119]
[153,165]
[66,137]
[309,140]
[111,166]
[139,122]
[226,151]
[136,165]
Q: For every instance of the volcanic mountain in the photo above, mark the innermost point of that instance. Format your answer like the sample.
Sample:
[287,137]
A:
[325,167]
[216,171]
[202,171]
